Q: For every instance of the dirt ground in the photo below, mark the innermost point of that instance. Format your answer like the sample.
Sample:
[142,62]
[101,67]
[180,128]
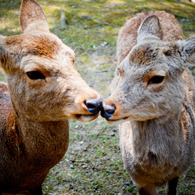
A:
[93,163]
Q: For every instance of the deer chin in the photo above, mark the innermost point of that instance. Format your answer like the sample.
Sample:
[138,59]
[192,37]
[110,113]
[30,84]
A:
[134,117]
[85,117]
[117,121]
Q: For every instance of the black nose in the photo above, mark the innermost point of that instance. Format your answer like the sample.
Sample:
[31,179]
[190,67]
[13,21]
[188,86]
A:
[108,111]
[94,105]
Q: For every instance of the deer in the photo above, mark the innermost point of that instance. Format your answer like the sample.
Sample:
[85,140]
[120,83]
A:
[43,91]
[152,100]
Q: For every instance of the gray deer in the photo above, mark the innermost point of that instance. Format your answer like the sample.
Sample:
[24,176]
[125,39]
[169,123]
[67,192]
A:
[153,101]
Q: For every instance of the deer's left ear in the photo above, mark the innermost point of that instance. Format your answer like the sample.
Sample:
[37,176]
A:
[32,16]
[149,28]
[186,49]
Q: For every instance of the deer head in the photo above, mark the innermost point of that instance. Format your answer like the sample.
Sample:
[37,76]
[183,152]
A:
[43,81]
[148,83]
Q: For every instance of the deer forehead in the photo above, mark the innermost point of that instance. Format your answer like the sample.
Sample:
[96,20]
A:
[40,51]
[46,45]
[150,51]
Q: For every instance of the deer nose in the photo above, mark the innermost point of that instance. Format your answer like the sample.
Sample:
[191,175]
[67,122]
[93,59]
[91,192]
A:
[94,105]
[108,111]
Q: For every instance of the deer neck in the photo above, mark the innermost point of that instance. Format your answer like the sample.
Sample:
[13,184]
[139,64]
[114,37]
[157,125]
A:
[41,142]
[156,142]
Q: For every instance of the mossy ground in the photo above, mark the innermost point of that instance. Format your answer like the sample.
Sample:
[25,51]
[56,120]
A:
[93,163]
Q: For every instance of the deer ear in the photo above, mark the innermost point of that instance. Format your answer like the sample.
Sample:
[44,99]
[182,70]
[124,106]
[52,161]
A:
[149,28]
[32,16]
[187,50]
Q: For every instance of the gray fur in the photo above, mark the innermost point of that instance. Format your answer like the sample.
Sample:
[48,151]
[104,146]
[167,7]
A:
[157,116]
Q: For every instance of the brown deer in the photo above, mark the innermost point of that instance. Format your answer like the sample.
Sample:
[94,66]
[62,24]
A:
[45,91]
[153,100]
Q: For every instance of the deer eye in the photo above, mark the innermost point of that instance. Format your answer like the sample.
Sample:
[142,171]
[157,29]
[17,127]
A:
[35,75]
[168,53]
[156,80]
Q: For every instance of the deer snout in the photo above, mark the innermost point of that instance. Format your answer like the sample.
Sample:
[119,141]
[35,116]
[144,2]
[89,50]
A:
[94,105]
[108,111]
[89,109]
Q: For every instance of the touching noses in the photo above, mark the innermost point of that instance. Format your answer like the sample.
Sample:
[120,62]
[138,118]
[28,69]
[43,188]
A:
[108,111]
[94,105]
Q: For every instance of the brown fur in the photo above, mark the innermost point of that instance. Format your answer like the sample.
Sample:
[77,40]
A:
[153,99]
[35,45]
[45,91]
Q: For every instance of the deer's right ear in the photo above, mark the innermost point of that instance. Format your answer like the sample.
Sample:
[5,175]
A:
[32,16]
[149,28]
